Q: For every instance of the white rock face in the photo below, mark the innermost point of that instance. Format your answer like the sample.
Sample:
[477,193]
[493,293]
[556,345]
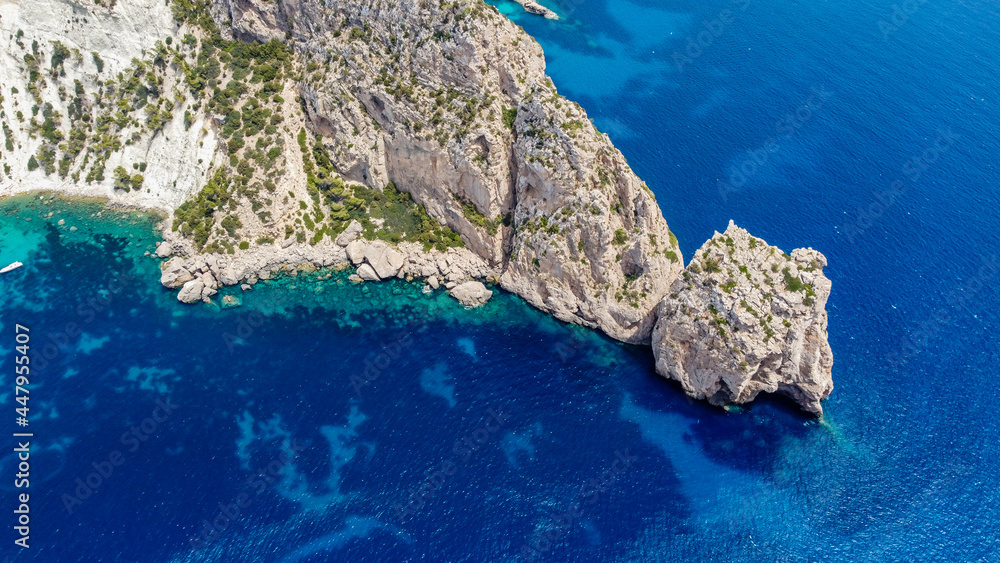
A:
[471,293]
[177,158]
[746,319]
[191,292]
[367,273]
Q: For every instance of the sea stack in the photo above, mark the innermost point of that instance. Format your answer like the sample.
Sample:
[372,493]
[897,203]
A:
[746,318]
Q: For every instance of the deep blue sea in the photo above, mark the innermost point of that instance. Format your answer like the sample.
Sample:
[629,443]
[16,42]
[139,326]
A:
[322,421]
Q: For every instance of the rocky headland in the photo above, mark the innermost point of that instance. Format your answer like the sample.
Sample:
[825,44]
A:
[408,140]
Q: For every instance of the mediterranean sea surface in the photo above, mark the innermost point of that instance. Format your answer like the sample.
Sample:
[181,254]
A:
[323,421]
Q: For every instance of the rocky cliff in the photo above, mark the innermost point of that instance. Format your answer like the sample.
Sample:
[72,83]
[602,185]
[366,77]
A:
[271,130]
[451,103]
[746,318]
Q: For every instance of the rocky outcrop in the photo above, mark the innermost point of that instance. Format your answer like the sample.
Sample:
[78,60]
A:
[745,318]
[533,7]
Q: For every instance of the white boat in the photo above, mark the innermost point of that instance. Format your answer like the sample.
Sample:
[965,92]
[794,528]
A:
[13,266]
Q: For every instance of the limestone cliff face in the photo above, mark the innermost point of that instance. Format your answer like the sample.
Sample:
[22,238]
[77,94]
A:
[41,88]
[452,104]
[745,318]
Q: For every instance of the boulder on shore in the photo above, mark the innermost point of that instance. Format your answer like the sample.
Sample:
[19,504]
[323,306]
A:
[164,249]
[384,260]
[356,251]
[367,273]
[191,291]
[471,293]
[174,274]
[350,233]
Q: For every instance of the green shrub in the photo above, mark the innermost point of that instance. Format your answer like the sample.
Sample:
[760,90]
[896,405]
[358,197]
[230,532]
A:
[122,179]
[59,54]
[231,224]
[471,213]
[196,216]
[620,237]
[509,116]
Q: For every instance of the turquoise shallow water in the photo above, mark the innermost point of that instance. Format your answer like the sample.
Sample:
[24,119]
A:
[421,431]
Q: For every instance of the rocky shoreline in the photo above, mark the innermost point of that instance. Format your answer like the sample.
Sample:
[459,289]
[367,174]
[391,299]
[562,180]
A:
[199,276]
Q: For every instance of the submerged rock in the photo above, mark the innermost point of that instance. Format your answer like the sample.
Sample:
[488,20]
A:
[745,318]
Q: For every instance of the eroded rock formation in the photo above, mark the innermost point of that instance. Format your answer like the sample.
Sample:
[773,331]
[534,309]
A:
[745,318]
